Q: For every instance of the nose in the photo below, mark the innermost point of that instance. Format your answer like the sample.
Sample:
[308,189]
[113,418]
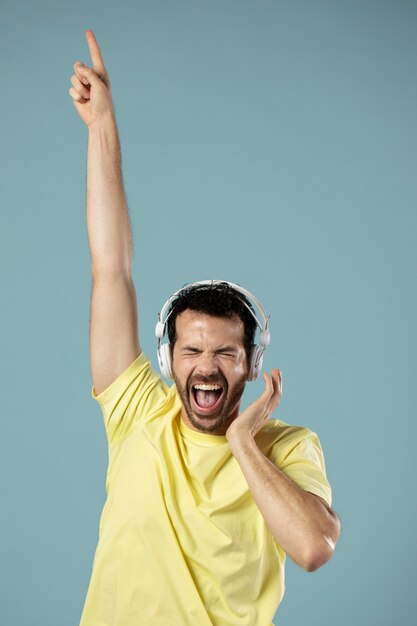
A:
[207,364]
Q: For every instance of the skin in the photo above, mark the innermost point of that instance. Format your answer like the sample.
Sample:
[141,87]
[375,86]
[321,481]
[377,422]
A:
[199,357]
[91,89]
[92,98]
[301,522]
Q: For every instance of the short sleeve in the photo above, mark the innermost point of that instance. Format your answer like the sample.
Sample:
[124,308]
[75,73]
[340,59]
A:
[303,462]
[134,395]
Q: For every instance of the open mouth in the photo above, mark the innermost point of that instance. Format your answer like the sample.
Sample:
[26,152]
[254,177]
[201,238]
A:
[206,399]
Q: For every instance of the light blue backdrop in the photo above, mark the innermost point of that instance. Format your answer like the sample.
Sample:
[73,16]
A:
[272,144]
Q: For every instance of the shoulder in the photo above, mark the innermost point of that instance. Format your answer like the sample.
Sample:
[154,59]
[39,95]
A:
[277,435]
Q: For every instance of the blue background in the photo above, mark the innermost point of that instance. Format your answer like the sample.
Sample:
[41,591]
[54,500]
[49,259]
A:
[268,143]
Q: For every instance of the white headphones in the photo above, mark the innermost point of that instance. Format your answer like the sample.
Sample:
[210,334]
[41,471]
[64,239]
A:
[257,351]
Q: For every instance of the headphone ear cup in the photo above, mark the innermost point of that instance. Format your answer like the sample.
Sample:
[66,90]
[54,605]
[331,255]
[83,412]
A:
[165,360]
[255,362]
[160,329]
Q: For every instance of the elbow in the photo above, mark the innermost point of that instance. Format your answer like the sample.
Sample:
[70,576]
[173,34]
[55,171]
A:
[317,559]
[319,554]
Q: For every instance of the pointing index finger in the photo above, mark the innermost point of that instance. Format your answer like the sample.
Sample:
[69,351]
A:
[95,52]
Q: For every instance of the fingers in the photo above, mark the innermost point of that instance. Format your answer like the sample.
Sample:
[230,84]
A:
[278,376]
[273,390]
[78,65]
[95,52]
[276,396]
[86,75]
[277,383]
[79,91]
[76,96]
[80,88]
[273,383]
[269,387]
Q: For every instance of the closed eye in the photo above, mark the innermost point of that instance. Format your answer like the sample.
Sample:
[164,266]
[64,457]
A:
[188,351]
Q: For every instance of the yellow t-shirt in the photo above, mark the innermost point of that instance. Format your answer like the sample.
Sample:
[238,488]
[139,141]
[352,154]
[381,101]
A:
[181,540]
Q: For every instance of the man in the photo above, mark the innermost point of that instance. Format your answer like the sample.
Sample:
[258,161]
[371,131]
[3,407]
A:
[203,501]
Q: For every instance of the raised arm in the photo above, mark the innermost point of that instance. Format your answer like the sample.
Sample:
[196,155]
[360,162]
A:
[114,338]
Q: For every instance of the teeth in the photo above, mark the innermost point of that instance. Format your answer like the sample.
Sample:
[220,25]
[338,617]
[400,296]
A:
[207,387]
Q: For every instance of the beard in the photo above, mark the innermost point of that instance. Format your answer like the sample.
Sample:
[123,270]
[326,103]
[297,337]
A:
[231,397]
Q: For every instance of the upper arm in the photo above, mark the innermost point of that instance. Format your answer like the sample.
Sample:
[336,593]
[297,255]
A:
[114,335]
[301,458]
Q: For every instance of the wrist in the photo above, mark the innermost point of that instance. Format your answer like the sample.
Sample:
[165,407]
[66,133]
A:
[238,438]
[106,123]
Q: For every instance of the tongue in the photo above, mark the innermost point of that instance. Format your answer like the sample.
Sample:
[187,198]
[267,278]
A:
[207,399]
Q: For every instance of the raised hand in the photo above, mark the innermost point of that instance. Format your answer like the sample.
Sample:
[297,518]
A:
[250,421]
[91,90]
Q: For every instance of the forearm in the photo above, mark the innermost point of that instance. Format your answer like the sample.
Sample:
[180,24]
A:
[109,230]
[305,529]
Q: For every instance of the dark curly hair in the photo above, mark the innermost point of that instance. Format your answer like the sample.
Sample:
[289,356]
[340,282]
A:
[220,300]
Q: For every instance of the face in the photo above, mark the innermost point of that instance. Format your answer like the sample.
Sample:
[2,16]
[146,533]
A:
[209,351]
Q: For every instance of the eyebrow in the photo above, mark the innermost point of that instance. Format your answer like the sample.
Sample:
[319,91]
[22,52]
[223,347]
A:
[224,349]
